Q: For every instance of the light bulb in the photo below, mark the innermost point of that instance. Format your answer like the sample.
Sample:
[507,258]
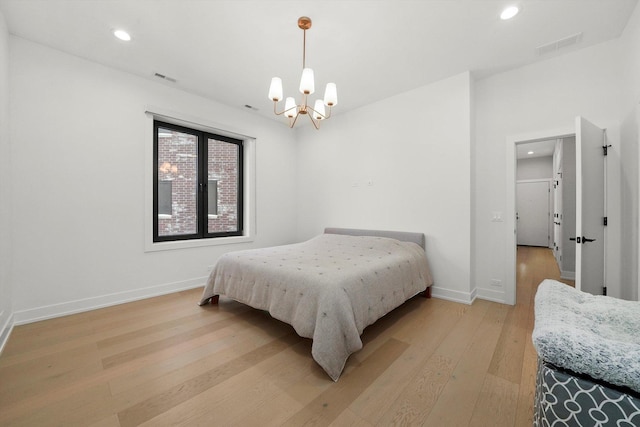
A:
[290,108]
[331,95]
[275,90]
[306,82]
[318,108]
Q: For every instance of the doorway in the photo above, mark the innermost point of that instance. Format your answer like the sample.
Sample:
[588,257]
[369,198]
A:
[513,143]
[589,236]
[545,200]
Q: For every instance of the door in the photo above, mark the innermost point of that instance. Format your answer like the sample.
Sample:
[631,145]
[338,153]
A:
[590,196]
[532,213]
[557,202]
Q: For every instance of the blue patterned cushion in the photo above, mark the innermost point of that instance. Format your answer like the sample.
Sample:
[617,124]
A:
[563,399]
[597,336]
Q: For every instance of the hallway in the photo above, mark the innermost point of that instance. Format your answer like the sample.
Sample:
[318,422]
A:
[533,265]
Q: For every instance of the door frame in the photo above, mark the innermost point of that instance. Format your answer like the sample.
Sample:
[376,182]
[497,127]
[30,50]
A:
[510,203]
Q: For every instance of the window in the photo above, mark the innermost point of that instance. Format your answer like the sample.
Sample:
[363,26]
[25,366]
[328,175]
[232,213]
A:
[197,185]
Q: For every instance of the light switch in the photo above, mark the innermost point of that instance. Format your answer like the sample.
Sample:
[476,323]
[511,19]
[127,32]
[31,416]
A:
[496,217]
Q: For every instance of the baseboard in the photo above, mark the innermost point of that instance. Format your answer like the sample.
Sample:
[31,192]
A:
[491,295]
[568,275]
[451,295]
[87,304]
[7,327]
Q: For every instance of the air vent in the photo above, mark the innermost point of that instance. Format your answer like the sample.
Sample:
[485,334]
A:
[548,48]
[162,76]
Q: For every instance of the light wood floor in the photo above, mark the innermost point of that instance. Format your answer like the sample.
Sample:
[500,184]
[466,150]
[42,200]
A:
[166,361]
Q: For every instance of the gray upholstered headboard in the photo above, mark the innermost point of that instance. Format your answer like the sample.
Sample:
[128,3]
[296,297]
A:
[404,236]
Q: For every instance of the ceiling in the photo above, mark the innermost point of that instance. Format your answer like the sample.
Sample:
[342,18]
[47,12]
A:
[537,149]
[228,50]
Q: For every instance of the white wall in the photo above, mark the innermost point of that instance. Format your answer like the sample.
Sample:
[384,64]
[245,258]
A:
[630,46]
[535,168]
[6,311]
[544,96]
[399,164]
[79,136]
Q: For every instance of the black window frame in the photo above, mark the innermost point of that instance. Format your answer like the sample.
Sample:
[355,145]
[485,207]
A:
[202,184]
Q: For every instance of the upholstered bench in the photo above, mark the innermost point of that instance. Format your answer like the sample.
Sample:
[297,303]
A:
[588,358]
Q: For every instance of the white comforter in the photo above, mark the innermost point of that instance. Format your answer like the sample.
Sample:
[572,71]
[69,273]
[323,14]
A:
[328,288]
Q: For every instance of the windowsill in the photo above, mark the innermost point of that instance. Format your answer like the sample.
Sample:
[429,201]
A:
[212,216]
[196,243]
[164,216]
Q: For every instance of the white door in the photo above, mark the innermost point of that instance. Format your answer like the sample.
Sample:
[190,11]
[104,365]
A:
[557,202]
[590,195]
[532,213]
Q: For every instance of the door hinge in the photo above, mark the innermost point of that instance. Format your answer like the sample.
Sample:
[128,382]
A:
[604,290]
[605,147]
[605,221]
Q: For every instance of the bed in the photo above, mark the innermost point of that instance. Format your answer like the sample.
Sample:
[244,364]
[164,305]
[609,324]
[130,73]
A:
[328,288]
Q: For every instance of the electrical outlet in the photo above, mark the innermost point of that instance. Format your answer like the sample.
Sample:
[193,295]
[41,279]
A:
[210,268]
[495,283]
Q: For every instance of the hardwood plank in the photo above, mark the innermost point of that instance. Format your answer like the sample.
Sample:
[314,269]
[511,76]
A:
[249,398]
[526,392]
[496,404]
[153,406]
[45,333]
[348,418]
[465,383]
[507,358]
[110,421]
[147,386]
[395,384]
[79,409]
[326,407]
[44,368]
[221,345]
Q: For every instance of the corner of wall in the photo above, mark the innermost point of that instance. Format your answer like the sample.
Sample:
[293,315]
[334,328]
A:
[6,295]
[473,286]
[5,329]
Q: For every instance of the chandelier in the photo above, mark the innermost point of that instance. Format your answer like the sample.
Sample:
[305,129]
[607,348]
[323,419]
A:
[292,110]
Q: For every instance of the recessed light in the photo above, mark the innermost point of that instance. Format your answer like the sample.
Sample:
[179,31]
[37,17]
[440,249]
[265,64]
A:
[530,152]
[509,12]
[122,35]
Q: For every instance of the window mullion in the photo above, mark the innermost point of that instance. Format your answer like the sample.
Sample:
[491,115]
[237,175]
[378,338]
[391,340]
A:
[202,185]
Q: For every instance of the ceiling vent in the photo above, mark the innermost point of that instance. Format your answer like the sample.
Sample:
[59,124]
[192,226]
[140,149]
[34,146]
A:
[163,77]
[548,48]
